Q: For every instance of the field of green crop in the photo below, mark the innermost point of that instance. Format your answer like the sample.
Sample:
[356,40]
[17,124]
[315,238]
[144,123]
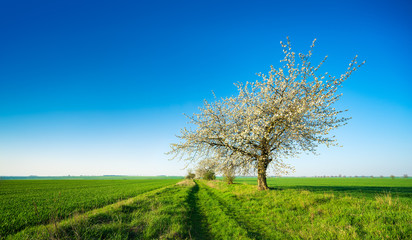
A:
[26,203]
[294,208]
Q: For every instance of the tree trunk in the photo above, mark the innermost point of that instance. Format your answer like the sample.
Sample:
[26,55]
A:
[262,166]
[229,175]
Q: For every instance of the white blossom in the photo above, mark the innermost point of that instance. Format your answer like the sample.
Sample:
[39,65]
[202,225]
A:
[274,118]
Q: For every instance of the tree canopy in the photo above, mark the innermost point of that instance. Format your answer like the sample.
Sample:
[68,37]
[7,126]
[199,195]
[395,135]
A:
[287,111]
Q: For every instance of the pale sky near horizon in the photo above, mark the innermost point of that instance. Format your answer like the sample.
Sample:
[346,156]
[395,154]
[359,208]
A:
[98,87]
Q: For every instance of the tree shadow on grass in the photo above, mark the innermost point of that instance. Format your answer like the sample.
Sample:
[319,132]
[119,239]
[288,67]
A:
[198,229]
[367,191]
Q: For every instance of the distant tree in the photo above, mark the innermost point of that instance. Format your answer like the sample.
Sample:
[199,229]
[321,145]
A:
[288,111]
[392,176]
[190,174]
[405,175]
[200,172]
[206,170]
[209,175]
[229,174]
[228,170]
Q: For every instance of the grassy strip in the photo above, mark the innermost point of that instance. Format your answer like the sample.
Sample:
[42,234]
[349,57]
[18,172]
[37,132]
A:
[161,213]
[25,203]
[257,228]
[312,215]
[220,225]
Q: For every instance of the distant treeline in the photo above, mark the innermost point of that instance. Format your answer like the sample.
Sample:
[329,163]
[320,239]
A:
[104,177]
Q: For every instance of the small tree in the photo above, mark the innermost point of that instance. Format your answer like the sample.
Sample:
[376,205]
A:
[209,175]
[229,174]
[204,173]
[206,169]
[288,111]
[200,172]
[228,169]
[190,174]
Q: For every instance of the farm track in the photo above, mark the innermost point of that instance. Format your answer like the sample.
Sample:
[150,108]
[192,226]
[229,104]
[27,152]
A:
[218,215]
[237,215]
[257,228]
[198,226]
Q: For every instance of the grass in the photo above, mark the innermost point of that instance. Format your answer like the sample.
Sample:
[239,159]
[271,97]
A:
[162,213]
[26,203]
[304,208]
[299,213]
[362,187]
[105,177]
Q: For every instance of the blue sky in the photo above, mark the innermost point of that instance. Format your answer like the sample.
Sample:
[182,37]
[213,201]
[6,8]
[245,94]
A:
[100,87]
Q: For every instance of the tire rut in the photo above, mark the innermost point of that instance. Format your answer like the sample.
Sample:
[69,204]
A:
[255,231]
[198,226]
[224,208]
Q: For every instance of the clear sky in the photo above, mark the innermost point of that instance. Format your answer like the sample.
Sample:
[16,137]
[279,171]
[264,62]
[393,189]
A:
[100,87]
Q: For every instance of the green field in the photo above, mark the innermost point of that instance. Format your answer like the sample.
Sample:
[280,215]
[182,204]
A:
[294,208]
[26,203]
[365,187]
